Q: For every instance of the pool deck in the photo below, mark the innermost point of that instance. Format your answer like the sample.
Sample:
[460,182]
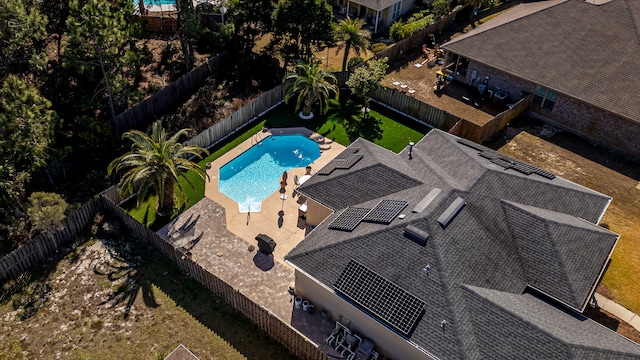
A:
[278,218]
[218,238]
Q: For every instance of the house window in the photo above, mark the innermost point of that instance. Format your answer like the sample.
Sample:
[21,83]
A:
[395,11]
[545,97]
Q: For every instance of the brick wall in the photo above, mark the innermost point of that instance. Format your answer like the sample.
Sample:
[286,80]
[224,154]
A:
[610,130]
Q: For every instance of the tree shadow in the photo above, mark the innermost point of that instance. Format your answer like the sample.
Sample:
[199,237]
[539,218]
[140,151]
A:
[126,266]
[366,126]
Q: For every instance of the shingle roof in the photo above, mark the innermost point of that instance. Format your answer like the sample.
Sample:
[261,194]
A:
[481,247]
[549,246]
[527,326]
[580,49]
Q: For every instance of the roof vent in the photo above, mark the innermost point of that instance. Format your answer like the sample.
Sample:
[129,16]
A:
[417,235]
[426,200]
[447,216]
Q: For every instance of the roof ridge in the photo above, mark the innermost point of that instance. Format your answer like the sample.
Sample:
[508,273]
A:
[556,254]
[563,264]
[470,288]
[634,21]
[344,241]
[447,295]
[577,315]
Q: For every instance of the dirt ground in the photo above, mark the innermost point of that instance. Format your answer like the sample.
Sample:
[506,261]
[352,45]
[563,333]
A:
[112,298]
[450,99]
[595,167]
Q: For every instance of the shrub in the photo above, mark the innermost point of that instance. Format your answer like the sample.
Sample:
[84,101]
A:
[377,47]
[397,31]
[354,61]
[440,7]
[46,210]
[418,21]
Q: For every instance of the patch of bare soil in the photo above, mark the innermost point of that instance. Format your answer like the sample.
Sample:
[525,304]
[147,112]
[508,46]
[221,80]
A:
[162,62]
[452,98]
[113,298]
[612,322]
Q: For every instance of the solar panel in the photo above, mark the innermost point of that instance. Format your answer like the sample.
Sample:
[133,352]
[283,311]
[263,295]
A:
[385,211]
[501,162]
[348,219]
[505,161]
[349,162]
[545,174]
[383,299]
[523,168]
[471,144]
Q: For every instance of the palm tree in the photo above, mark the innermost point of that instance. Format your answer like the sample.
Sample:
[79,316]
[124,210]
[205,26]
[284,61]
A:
[350,32]
[312,85]
[156,162]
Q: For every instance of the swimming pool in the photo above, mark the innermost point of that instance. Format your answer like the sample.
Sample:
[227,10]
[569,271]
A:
[255,174]
[158,2]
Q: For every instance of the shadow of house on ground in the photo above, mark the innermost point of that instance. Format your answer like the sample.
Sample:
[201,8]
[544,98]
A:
[213,312]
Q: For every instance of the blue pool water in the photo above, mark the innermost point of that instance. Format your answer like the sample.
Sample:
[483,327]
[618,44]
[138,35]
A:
[159,2]
[255,174]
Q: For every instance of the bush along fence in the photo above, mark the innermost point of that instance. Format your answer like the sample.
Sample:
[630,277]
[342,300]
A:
[39,248]
[227,126]
[416,40]
[168,97]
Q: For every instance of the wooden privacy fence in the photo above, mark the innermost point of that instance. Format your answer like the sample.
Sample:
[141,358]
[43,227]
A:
[479,133]
[168,97]
[414,108]
[36,250]
[280,331]
[239,118]
[416,40]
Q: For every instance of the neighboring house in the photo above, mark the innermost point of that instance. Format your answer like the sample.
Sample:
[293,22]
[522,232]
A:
[379,13]
[506,254]
[578,58]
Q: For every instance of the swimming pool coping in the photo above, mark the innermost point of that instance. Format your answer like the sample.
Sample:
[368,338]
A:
[286,229]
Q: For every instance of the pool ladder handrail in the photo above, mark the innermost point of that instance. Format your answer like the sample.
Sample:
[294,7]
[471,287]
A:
[256,138]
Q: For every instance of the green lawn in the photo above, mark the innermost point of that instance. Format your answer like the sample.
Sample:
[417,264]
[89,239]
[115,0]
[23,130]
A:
[342,124]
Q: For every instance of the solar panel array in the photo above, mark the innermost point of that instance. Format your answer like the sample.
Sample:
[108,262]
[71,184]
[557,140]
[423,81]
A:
[341,163]
[349,161]
[348,219]
[385,211]
[383,299]
[506,162]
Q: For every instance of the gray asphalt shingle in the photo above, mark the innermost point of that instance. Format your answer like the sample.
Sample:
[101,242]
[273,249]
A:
[580,49]
[482,247]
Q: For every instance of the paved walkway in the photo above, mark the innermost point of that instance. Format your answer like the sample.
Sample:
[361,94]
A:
[618,310]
